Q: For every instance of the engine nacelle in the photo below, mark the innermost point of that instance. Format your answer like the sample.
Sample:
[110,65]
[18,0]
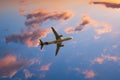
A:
[62,46]
[61,35]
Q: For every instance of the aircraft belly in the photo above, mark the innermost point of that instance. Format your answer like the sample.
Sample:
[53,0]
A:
[52,42]
[65,39]
[57,41]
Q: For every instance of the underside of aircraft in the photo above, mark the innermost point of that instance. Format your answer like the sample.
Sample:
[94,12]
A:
[58,41]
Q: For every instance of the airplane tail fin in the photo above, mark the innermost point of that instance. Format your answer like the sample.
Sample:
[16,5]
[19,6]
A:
[41,43]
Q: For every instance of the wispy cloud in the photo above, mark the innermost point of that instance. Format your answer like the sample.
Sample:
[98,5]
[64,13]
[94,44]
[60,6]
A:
[9,66]
[111,58]
[29,38]
[84,22]
[99,60]
[103,58]
[69,30]
[99,27]
[104,29]
[27,73]
[45,67]
[34,61]
[89,74]
[108,4]
[41,15]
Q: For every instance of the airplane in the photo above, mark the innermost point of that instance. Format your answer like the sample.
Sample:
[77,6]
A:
[58,41]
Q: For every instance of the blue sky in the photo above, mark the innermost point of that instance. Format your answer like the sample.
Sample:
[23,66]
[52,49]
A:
[92,54]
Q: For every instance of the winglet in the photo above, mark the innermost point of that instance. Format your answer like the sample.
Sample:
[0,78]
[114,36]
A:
[41,43]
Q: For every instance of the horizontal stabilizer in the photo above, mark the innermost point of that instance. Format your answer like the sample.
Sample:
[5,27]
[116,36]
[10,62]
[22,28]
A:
[41,43]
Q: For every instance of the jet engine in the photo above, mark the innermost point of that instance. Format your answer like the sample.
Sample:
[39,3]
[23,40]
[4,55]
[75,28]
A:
[61,35]
[62,46]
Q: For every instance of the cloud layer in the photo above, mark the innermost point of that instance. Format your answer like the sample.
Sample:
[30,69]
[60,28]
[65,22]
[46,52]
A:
[100,60]
[107,4]
[100,28]
[45,67]
[30,38]
[41,15]
[9,66]
[89,74]
[27,73]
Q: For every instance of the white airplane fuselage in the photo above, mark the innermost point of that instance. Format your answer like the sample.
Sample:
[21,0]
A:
[57,41]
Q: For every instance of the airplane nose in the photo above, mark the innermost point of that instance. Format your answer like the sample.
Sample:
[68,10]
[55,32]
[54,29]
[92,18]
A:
[71,37]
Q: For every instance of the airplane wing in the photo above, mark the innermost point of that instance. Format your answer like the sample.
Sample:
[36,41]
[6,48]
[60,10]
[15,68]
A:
[57,37]
[55,33]
[57,49]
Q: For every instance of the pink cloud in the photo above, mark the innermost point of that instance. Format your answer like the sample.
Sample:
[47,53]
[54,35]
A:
[45,67]
[41,15]
[9,66]
[99,60]
[30,38]
[84,22]
[107,4]
[69,30]
[111,58]
[35,61]
[99,27]
[89,74]
[27,73]
[104,29]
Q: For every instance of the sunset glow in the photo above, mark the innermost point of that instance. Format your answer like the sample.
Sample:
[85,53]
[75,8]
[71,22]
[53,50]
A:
[92,53]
